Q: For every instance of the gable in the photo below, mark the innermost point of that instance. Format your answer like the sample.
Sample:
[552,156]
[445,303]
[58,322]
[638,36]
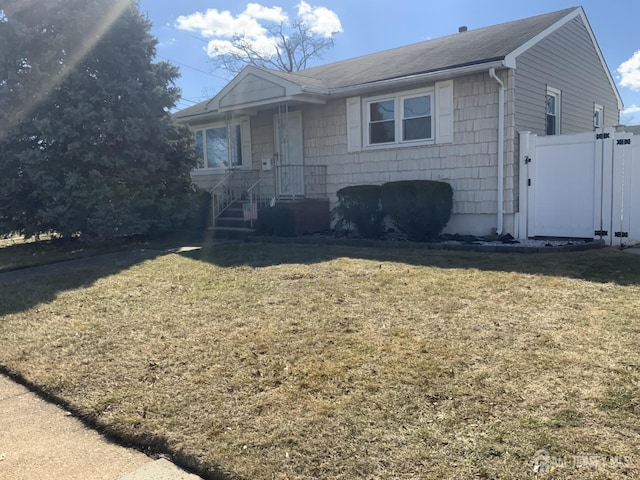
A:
[251,89]
[566,60]
[577,43]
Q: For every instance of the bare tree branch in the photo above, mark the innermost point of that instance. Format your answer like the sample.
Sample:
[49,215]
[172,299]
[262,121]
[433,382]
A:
[294,47]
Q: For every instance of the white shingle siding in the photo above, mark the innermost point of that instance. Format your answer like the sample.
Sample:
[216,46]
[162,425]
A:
[469,163]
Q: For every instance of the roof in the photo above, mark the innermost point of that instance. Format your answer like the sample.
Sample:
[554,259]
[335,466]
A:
[495,45]
[461,49]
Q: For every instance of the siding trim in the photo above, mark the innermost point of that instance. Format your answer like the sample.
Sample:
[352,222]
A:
[354,125]
[444,112]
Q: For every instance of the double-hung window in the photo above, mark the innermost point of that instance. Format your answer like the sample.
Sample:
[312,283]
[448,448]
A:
[419,117]
[399,119]
[219,146]
[552,111]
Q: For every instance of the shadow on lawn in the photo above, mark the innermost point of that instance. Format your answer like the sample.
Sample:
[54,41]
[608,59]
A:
[24,289]
[606,265]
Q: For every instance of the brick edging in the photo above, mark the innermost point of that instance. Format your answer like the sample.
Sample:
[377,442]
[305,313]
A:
[360,242]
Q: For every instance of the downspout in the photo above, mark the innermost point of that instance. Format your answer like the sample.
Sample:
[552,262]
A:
[500,212]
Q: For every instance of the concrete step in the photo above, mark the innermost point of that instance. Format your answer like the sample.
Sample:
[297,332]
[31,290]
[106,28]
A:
[237,222]
[234,212]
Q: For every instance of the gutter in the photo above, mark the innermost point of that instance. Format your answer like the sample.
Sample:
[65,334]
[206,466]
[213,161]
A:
[500,210]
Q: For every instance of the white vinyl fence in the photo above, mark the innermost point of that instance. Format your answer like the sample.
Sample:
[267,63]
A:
[585,185]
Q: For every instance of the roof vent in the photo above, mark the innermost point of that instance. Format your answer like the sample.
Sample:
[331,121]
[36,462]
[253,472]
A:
[462,29]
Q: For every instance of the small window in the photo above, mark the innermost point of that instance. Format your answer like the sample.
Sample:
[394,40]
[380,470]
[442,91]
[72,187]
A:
[552,111]
[598,113]
[382,122]
[219,147]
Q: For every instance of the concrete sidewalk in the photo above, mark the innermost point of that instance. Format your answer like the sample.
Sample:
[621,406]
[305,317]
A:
[41,441]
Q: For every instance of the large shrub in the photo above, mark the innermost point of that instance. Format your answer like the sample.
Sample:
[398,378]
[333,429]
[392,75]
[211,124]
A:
[418,208]
[359,206]
[88,145]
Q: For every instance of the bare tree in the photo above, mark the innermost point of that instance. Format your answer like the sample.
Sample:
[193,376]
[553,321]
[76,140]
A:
[295,45]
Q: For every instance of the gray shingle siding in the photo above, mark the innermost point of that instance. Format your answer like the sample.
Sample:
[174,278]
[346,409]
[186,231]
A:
[565,60]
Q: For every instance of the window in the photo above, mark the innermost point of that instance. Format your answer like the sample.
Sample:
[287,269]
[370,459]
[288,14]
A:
[416,118]
[552,111]
[598,113]
[382,122]
[402,118]
[219,147]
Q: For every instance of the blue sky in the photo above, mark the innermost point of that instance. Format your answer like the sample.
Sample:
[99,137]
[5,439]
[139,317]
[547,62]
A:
[370,26]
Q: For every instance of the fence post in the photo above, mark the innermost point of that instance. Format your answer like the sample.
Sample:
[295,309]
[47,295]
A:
[526,154]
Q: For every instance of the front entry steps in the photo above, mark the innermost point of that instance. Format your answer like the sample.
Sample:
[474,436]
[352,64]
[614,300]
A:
[231,224]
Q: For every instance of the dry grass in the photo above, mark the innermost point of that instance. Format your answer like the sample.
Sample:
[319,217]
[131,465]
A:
[293,362]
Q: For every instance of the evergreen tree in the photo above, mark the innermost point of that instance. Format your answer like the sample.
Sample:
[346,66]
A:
[87,143]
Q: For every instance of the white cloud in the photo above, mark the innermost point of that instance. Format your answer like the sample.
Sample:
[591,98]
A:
[215,23]
[631,110]
[630,115]
[320,20]
[223,26]
[259,12]
[630,73]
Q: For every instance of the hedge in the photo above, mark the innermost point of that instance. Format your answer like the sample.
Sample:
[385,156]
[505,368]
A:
[418,208]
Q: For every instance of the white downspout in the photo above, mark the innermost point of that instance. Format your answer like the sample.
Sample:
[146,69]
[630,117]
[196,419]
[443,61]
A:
[492,74]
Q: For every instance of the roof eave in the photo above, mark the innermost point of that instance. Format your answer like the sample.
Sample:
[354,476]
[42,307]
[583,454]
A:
[431,76]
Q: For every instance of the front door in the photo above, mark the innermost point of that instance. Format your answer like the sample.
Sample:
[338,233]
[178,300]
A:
[289,155]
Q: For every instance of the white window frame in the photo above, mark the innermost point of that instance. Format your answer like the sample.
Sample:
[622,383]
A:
[398,99]
[557,94]
[203,128]
[598,115]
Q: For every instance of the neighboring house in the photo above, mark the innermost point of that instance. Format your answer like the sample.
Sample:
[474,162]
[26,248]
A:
[446,109]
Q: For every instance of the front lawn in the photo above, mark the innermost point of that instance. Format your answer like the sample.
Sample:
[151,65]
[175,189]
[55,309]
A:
[291,362]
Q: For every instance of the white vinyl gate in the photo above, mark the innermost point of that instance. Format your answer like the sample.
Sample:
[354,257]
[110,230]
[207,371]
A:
[584,185]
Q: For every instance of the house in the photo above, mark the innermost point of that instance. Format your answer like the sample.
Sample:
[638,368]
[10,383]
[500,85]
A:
[447,109]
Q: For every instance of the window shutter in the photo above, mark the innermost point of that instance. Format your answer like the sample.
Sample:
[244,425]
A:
[245,140]
[354,125]
[444,112]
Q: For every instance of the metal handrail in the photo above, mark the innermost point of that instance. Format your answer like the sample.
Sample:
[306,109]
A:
[220,196]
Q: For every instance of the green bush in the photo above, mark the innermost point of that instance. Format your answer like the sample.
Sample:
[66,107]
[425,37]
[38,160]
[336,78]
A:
[418,208]
[359,206]
[276,221]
